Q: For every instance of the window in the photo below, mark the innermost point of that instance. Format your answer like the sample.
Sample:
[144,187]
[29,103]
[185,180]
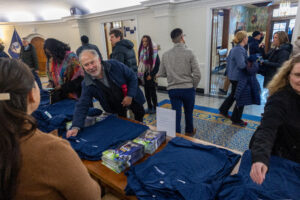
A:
[279,13]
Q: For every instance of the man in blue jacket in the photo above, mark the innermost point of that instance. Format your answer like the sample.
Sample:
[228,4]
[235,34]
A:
[112,83]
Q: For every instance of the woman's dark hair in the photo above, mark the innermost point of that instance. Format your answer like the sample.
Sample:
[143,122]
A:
[17,80]
[150,45]
[56,48]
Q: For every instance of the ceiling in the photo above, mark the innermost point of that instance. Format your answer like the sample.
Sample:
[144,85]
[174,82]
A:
[43,10]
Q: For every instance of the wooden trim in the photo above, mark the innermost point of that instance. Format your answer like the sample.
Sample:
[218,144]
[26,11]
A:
[269,24]
[211,45]
[225,35]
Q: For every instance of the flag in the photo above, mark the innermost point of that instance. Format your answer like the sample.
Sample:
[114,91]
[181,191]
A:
[15,45]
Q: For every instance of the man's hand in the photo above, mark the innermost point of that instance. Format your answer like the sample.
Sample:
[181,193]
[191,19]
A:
[148,78]
[258,172]
[72,132]
[126,101]
[261,45]
[58,87]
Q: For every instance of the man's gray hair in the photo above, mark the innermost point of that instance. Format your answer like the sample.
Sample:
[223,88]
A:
[92,51]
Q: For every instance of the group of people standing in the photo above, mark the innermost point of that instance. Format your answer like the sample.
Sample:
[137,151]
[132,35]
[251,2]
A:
[242,70]
[35,165]
[279,131]
[26,173]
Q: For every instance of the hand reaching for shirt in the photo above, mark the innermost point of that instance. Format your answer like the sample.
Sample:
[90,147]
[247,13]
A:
[258,172]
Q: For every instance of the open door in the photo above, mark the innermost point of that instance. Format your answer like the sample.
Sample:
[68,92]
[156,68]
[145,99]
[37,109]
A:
[38,43]
[219,49]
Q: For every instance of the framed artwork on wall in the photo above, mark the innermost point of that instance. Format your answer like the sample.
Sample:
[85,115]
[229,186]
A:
[240,25]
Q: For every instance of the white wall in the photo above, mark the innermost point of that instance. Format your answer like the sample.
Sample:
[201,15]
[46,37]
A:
[157,20]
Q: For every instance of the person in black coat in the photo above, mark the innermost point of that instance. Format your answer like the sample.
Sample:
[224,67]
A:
[28,55]
[276,56]
[2,52]
[122,49]
[279,131]
[254,43]
[148,57]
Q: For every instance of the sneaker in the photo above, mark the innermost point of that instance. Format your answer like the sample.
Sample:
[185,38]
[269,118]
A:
[152,111]
[148,111]
[222,92]
[191,134]
[225,115]
[240,123]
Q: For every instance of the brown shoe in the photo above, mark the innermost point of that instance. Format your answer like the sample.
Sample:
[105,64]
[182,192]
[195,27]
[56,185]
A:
[191,134]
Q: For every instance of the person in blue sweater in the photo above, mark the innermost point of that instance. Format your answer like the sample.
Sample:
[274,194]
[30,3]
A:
[112,83]
[236,64]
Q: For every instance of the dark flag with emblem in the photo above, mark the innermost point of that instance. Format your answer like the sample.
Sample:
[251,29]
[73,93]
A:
[15,45]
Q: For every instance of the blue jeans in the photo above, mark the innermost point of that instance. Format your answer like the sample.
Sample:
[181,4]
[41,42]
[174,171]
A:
[187,98]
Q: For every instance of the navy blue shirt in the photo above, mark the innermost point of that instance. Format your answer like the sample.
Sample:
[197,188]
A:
[112,131]
[182,170]
[282,181]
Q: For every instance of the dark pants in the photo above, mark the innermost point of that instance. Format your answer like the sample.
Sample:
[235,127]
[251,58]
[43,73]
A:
[187,98]
[151,97]
[237,111]
[137,109]
[37,79]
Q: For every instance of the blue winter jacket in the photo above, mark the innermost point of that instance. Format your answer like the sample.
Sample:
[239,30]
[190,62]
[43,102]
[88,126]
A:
[236,63]
[119,74]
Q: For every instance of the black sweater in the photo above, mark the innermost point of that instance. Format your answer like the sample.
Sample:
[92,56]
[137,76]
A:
[279,131]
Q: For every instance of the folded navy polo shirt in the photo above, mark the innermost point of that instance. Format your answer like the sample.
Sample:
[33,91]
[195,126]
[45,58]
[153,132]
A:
[182,170]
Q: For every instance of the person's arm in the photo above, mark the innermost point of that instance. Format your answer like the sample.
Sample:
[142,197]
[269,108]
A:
[34,58]
[82,107]
[67,174]
[162,68]
[156,68]
[130,78]
[253,48]
[284,56]
[262,141]
[195,70]
[240,57]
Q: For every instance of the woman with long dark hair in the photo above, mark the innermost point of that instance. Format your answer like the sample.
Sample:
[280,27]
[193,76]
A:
[63,69]
[148,67]
[34,165]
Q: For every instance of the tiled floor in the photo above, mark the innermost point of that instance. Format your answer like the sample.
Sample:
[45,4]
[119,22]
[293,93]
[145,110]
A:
[215,102]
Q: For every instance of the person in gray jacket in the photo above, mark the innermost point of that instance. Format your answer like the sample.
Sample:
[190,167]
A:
[122,49]
[181,67]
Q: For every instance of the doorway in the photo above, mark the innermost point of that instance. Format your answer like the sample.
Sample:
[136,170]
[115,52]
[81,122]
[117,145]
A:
[219,50]
[127,27]
[38,43]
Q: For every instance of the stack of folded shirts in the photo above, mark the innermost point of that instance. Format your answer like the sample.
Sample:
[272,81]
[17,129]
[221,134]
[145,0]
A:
[182,170]
[151,140]
[123,156]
